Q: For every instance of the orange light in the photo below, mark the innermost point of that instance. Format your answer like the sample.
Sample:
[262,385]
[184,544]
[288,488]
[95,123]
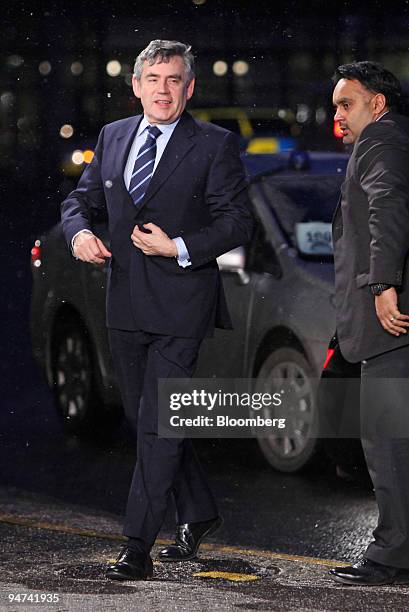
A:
[88,156]
[337,130]
[330,353]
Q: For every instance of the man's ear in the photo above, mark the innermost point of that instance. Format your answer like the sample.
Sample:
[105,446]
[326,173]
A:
[136,86]
[379,103]
[190,89]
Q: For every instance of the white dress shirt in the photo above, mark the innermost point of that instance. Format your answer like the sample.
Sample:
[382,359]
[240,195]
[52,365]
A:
[139,140]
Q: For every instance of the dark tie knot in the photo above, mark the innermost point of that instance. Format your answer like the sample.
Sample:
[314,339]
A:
[154,131]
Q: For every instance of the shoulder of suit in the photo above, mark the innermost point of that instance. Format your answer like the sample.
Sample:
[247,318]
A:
[206,128]
[392,128]
[122,124]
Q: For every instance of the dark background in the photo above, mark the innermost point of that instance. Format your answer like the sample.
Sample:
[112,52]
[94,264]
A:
[292,49]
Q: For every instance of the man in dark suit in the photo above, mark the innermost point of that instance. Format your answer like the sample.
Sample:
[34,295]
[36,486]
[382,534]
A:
[371,245]
[175,194]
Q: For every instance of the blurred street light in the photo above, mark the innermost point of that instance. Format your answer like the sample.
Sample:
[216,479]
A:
[320,115]
[240,68]
[77,68]
[220,68]
[15,60]
[303,113]
[7,99]
[77,157]
[44,68]
[66,131]
[113,68]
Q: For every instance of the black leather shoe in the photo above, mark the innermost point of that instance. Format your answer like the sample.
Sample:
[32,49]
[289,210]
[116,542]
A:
[188,539]
[368,573]
[131,565]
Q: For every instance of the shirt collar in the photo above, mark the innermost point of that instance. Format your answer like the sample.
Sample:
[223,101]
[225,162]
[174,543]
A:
[380,116]
[164,127]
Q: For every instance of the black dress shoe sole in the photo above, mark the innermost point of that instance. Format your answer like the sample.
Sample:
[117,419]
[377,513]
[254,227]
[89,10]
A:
[176,559]
[351,582]
[212,529]
[114,575]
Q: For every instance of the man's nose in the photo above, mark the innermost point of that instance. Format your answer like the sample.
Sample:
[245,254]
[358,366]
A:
[338,115]
[163,86]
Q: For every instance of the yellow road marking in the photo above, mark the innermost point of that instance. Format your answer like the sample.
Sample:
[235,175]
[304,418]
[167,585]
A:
[24,521]
[266,554]
[28,522]
[232,576]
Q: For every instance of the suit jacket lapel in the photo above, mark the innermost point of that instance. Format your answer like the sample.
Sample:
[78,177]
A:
[177,148]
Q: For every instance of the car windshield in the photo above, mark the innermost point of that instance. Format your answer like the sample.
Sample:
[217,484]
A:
[303,207]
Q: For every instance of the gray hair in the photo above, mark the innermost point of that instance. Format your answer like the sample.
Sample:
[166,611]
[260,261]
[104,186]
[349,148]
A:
[163,50]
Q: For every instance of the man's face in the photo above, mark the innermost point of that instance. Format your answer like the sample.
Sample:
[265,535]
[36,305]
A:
[163,90]
[356,107]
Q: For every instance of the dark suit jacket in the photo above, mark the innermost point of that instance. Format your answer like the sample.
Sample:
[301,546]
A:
[371,236]
[198,192]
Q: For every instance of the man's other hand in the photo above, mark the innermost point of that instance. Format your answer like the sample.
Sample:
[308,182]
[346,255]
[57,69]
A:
[388,313]
[88,247]
[155,243]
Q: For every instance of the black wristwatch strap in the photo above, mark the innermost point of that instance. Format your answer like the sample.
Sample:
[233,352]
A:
[378,288]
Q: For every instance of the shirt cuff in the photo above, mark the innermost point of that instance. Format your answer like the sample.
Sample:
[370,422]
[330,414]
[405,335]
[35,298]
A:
[183,257]
[74,237]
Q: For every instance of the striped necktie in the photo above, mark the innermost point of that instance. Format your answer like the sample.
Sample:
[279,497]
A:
[143,168]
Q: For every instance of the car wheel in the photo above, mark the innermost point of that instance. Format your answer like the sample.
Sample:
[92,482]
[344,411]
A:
[75,392]
[299,449]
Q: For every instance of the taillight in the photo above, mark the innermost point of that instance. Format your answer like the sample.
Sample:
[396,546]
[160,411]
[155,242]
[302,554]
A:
[36,254]
[330,353]
[338,133]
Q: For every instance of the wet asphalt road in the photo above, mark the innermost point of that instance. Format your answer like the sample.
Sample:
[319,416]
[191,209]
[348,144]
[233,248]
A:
[61,551]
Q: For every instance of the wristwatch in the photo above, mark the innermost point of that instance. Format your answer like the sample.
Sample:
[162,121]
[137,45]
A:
[378,288]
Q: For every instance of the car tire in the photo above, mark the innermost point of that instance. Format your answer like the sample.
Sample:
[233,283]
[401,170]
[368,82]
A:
[74,377]
[292,453]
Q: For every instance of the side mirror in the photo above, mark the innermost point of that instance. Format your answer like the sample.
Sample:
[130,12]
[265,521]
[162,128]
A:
[234,261]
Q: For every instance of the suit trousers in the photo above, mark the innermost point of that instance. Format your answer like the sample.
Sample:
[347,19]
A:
[385,440]
[164,466]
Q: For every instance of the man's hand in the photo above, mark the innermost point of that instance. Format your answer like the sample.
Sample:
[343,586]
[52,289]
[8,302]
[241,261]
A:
[88,247]
[156,243]
[388,313]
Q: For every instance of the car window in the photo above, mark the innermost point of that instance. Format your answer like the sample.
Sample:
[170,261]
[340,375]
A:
[304,206]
